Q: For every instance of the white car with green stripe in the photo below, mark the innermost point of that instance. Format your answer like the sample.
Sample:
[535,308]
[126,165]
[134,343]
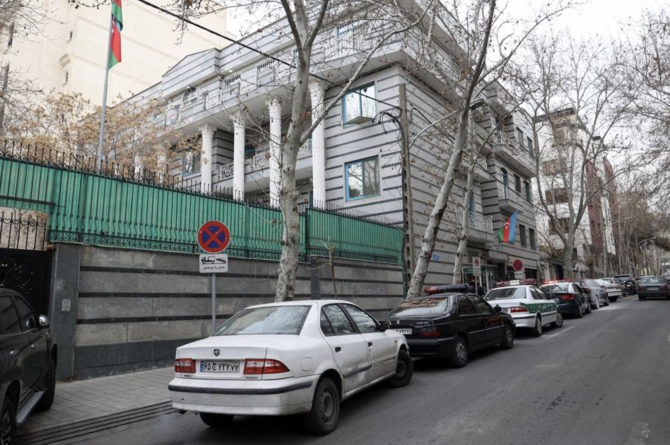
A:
[528,306]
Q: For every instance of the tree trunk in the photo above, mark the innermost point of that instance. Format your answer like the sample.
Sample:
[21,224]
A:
[466,217]
[436,215]
[568,269]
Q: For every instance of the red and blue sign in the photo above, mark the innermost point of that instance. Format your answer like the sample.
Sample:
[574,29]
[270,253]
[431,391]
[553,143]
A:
[213,237]
[517,265]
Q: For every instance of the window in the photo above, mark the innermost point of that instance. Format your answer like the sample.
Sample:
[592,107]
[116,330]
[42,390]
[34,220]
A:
[325,325]
[482,306]
[191,163]
[520,137]
[526,186]
[517,183]
[538,294]
[362,179]
[465,307]
[529,143]
[9,319]
[522,235]
[26,314]
[350,37]
[286,320]
[531,235]
[553,166]
[561,224]
[249,151]
[556,196]
[359,105]
[506,293]
[423,306]
[363,321]
[339,323]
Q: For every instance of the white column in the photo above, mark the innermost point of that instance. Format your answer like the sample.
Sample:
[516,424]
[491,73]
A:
[207,132]
[238,155]
[318,92]
[275,148]
[139,167]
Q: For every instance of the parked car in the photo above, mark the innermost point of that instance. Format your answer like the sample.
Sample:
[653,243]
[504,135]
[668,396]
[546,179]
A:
[288,358]
[27,363]
[653,287]
[528,306]
[597,295]
[449,323]
[612,287]
[570,297]
[628,282]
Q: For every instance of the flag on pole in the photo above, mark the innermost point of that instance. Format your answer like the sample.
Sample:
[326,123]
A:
[117,26]
[506,232]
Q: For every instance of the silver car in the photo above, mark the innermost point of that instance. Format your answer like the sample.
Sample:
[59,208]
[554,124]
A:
[597,294]
[612,287]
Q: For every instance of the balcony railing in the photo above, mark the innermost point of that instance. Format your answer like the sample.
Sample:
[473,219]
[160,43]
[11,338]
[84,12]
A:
[480,226]
[512,200]
[261,161]
[514,153]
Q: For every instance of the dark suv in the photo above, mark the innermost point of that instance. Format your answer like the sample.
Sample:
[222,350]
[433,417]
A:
[27,363]
[628,283]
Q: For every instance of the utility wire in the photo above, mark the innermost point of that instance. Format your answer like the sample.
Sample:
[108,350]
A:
[237,42]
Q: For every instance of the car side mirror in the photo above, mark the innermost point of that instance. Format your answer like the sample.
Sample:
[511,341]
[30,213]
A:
[384,325]
[44,321]
[587,291]
[497,309]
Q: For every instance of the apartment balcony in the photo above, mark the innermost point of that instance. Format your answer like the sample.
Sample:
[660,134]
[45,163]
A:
[511,201]
[480,172]
[518,157]
[480,227]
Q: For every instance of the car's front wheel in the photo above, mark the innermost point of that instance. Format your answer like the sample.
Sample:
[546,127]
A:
[588,307]
[459,356]
[322,418]
[508,338]
[536,331]
[404,370]
[559,321]
[218,421]
[7,422]
[579,313]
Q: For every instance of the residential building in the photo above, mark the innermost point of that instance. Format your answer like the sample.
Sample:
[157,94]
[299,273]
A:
[69,55]
[236,100]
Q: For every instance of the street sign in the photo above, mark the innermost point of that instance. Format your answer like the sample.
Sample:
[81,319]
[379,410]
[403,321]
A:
[213,237]
[214,263]
[514,282]
[517,265]
[436,257]
[477,267]
[520,275]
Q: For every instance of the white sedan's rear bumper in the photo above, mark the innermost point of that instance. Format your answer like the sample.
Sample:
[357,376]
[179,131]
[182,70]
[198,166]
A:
[244,397]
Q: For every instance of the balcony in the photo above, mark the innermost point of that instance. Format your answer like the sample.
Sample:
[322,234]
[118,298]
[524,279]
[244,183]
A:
[480,227]
[508,150]
[511,201]
[481,172]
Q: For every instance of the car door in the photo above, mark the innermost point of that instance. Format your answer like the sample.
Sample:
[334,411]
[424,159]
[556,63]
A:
[381,345]
[16,350]
[349,348]
[492,321]
[37,342]
[471,322]
[583,297]
[547,306]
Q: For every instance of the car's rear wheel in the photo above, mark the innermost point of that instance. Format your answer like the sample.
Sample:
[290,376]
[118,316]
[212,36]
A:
[559,321]
[641,298]
[459,356]
[49,385]
[536,331]
[614,299]
[588,307]
[325,412]
[7,422]
[218,421]
[607,301]
[404,370]
[508,338]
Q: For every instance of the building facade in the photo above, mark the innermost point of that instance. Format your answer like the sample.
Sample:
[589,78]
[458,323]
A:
[69,54]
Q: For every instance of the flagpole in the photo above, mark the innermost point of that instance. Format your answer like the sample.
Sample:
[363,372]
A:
[104,94]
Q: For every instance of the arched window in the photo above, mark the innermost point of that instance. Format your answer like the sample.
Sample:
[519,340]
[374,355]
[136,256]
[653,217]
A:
[505,180]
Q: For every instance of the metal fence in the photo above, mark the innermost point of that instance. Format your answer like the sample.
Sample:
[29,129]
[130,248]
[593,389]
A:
[141,213]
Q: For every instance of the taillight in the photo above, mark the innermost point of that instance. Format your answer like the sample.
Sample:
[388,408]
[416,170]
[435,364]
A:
[184,365]
[429,332]
[516,309]
[567,297]
[260,366]
[664,287]
[640,288]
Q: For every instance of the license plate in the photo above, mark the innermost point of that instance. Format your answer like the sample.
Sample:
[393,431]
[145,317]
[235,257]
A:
[222,367]
[652,288]
[403,331]
[505,309]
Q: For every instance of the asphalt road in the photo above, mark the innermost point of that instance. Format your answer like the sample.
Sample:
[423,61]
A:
[603,379]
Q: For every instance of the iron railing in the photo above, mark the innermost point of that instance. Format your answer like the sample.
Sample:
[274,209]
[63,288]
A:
[105,209]
[21,231]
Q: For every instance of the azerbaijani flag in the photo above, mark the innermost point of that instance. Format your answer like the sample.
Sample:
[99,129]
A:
[117,26]
[506,232]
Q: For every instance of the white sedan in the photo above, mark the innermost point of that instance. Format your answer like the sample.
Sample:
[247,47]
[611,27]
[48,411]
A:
[612,287]
[288,358]
[528,306]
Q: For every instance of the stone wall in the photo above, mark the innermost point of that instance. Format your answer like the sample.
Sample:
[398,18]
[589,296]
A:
[117,311]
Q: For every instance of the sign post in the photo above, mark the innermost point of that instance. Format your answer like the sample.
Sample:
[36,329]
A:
[477,271]
[213,238]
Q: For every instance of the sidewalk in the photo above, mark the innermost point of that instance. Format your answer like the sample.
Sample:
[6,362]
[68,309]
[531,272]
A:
[94,398]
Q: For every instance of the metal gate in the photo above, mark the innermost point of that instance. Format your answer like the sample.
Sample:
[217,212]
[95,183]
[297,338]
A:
[25,264]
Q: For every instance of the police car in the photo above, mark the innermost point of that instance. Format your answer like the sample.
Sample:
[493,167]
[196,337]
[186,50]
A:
[528,305]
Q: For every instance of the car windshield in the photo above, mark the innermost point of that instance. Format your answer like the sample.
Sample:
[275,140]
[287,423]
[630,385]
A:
[622,278]
[421,306]
[604,281]
[653,280]
[558,287]
[506,293]
[286,320]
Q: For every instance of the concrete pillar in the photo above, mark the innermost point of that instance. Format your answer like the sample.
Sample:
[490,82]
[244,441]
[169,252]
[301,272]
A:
[275,148]
[63,305]
[318,92]
[238,155]
[207,132]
